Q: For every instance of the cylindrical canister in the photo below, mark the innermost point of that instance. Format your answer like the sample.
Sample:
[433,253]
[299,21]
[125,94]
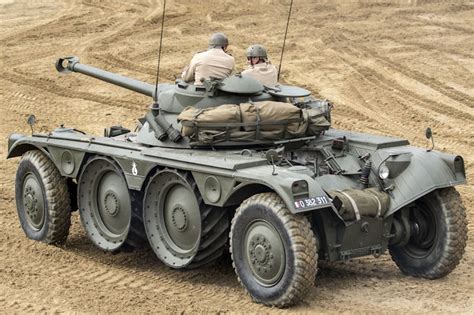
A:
[358,203]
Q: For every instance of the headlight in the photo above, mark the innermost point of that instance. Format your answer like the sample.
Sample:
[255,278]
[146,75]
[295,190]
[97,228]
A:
[300,188]
[384,172]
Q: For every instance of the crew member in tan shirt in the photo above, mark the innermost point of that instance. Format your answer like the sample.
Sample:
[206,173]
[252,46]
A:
[213,63]
[259,67]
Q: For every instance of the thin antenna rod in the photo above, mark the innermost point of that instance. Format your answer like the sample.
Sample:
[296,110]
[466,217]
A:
[159,52]
[284,40]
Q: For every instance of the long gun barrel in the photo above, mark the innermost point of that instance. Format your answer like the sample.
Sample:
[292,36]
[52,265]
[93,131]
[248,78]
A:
[71,64]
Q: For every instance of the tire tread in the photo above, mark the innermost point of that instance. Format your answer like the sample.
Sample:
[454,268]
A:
[303,245]
[56,194]
[456,238]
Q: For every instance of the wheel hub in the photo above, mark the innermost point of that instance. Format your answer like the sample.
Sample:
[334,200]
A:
[180,215]
[33,202]
[422,230]
[111,203]
[422,234]
[29,202]
[179,218]
[172,218]
[265,253]
[259,251]
[105,204]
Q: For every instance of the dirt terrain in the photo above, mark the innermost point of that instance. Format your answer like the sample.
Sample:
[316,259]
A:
[390,67]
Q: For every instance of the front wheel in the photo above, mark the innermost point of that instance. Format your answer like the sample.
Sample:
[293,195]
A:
[42,199]
[438,234]
[274,252]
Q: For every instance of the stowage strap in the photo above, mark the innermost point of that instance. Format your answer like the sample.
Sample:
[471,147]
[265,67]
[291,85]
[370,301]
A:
[267,120]
[353,204]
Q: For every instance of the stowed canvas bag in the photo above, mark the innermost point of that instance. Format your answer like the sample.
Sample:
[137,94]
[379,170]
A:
[211,118]
[317,121]
[273,116]
[266,120]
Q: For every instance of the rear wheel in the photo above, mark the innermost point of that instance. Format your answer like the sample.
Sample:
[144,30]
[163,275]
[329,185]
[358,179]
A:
[274,252]
[438,234]
[182,231]
[106,206]
[42,199]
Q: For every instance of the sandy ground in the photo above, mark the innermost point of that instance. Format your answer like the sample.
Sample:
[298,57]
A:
[390,69]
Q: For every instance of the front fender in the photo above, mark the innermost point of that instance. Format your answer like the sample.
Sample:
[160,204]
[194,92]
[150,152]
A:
[281,181]
[18,144]
[427,171]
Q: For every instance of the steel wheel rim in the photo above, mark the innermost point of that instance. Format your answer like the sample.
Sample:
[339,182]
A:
[112,203]
[264,252]
[105,203]
[424,231]
[33,202]
[179,212]
[182,218]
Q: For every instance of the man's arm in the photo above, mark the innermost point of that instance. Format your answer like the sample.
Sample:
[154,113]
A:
[188,72]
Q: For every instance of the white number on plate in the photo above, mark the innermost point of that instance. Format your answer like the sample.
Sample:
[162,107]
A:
[311,202]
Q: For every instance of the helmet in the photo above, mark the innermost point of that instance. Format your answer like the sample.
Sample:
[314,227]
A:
[218,40]
[257,51]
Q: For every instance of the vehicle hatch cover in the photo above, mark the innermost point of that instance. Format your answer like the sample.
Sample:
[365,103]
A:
[240,84]
[288,91]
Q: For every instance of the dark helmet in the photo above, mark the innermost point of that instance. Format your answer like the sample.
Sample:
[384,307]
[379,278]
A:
[218,40]
[257,51]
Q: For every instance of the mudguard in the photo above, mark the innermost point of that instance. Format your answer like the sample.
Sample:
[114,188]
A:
[426,171]
[19,144]
[281,181]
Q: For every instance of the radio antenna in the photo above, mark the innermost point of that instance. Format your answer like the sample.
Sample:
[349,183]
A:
[155,98]
[284,40]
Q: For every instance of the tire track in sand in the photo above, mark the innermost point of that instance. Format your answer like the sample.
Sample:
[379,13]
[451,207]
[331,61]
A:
[426,110]
[98,270]
[454,139]
[459,96]
[48,85]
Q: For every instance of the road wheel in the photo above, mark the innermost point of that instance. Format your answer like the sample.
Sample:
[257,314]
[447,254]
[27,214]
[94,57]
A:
[274,252]
[438,230]
[42,199]
[106,207]
[182,231]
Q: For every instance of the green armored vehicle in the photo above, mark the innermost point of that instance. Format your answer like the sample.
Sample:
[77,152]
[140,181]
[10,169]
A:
[279,200]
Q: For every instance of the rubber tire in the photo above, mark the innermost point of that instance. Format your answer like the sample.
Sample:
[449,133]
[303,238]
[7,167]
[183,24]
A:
[215,228]
[136,238]
[57,204]
[450,243]
[301,252]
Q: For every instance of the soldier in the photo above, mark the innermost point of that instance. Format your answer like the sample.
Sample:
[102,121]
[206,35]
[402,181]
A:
[212,63]
[259,67]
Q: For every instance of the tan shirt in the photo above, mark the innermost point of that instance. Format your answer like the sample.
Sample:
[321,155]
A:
[211,63]
[265,72]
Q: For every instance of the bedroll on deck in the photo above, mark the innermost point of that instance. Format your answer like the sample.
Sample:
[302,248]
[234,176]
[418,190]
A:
[255,121]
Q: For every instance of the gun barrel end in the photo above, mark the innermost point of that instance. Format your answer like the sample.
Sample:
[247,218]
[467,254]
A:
[66,64]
